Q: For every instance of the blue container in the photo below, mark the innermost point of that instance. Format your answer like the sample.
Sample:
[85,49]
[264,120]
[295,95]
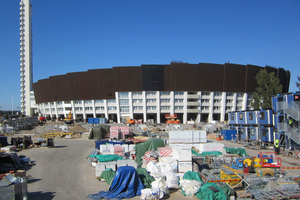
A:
[102,120]
[90,120]
[99,142]
[96,120]
[228,134]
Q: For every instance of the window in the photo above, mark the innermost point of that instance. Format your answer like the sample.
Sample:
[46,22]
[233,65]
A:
[217,107]
[123,95]
[151,107]
[151,100]
[205,100]
[228,107]
[239,101]
[99,108]
[165,100]
[61,109]
[178,93]
[178,100]
[52,103]
[240,94]
[99,101]
[262,115]
[111,108]
[78,108]
[137,100]
[232,116]
[52,109]
[239,107]
[46,104]
[59,103]
[241,116]
[218,93]
[165,107]
[78,102]
[250,116]
[178,107]
[47,109]
[217,101]
[205,93]
[124,102]
[88,108]
[111,101]
[87,101]
[137,93]
[150,93]
[137,107]
[204,107]
[164,93]
[228,101]
[124,109]
[252,131]
[67,102]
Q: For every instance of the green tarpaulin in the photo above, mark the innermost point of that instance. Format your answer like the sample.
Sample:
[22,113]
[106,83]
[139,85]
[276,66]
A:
[235,150]
[107,157]
[107,175]
[98,132]
[210,191]
[151,144]
[145,177]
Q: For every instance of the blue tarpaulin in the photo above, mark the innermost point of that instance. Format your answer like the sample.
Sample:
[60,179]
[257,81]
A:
[126,184]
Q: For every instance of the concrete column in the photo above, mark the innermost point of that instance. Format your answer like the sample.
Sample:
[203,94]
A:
[118,107]
[144,107]
[245,101]
[158,106]
[223,107]
[200,110]
[211,107]
[105,109]
[130,104]
[184,107]
[73,109]
[94,110]
[172,102]
[83,111]
[234,101]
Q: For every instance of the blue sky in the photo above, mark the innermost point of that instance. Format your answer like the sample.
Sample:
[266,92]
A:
[77,35]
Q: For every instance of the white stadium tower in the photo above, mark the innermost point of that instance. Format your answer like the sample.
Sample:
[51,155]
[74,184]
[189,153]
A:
[27,95]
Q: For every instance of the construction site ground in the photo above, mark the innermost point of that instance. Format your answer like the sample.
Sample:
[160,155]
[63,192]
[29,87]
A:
[62,172]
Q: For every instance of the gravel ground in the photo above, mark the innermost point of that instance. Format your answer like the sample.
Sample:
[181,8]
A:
[63,172]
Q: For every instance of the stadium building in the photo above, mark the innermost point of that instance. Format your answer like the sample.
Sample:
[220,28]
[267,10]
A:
[198,92]
[195,92]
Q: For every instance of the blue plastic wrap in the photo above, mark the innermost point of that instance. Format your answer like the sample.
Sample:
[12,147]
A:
[126,184]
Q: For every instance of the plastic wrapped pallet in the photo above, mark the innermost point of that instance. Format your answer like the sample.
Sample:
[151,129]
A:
[121,163]
[112,165]
[185,166]
[211,146]
[99,168]
[106,148]
[131,163]
[182,153]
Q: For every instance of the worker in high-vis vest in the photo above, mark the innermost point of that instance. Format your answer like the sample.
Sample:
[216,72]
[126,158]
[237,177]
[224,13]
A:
[277,146]
[277,143]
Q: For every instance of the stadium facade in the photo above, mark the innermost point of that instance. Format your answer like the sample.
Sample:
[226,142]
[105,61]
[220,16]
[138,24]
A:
[197,92]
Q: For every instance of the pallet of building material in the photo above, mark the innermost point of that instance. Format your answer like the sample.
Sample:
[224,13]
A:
[99,168]
[243,195]
[112,165]
[47,135]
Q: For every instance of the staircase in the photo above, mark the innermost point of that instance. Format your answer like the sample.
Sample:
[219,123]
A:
[291,110]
